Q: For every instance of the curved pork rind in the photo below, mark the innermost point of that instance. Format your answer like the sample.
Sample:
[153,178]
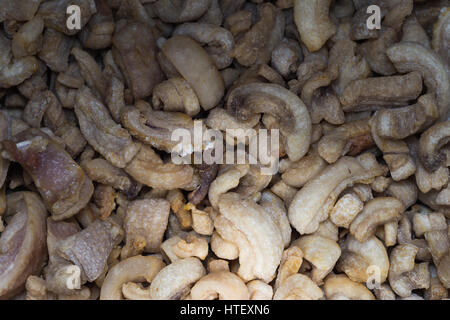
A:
[311,205]
[103,134]
[22,243]
[250,227]
[62,183]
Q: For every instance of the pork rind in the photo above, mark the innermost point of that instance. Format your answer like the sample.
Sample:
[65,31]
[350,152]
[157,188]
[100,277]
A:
[144,224]
[224,284]
[275,207]
[184,246]
[20,11]
[98,32]
[375,52]
[90,70]
[300,172]
[376,212]
[22,243]
[176,94]
[250,228]
[63,185]
[90,248]
[148,168]
[312,203]
[340,287]
[219,41]
[134,51]
[180,11]
[134,269]
[100,170]
[56,50]
[155,127]
[16,71]
[441,40]
[381,91]
[346,209]
[61,275]
[198,69]
[410,56]
[350,138]
[404,274]
[290,111]
[54,14]
[28,39]
[175,280]
[400,123]
[298,287]
[256,45]
[313,22]
[106,137]
[357,257]
[321,252]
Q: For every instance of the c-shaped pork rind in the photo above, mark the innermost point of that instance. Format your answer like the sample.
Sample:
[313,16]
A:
[249,226]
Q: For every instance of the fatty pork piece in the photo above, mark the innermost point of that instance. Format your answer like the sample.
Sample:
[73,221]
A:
[144,224]
[100,170]
[59,272]
[104,135]
[54,14]
[22,10]
[134,51]
[23,249]
[90,248]
[149,169]
[63,185]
